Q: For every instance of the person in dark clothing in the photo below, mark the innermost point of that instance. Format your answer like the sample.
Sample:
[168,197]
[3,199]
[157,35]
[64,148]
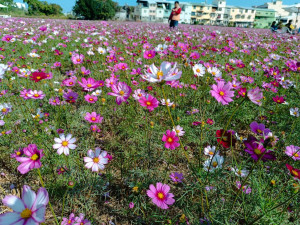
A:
[175,15]
[279,25]
[289,26]
[273,26]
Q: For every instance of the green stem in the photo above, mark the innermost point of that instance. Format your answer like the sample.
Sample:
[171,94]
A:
[63,206]
[42,182]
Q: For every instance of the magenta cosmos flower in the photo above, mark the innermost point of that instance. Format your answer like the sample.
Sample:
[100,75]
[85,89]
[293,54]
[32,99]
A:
[30,210]
[96,160]
[160,195]
[89,84]
[255,95]
[257,150]
[149,102]
[122,91]
[259,129]
[33,161]
[222,92]
[77,59]
[279,99]
[93,117]
[293,152]
[171,140]
[149,54]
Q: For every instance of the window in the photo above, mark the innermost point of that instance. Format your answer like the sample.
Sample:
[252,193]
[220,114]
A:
[193,13]
[194,7]
[246,10]
[249,17]
[252,11]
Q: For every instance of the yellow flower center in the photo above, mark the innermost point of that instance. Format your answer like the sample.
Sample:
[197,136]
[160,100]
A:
[34,157]
[177,131]
[214,73]
[26,213]
[221,93]
[122,93]
[18,153]
[214,164]
[93,118]
[95,160]
[169,140]
[295,113]
[211,153]
[78,60]
[36,95]
[148,103]
[159,74]
[91,99]
[278,100]
[71,83]
[89,85]
[198,70]
[257,151]
[259,131]
[296,155]
[295,173]
[64,143]
[4,110]
[160,195]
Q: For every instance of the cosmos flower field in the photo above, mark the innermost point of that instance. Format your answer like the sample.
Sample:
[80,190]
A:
[134,123]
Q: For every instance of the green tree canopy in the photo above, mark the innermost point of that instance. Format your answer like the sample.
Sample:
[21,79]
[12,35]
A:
[36,7]
[95,9]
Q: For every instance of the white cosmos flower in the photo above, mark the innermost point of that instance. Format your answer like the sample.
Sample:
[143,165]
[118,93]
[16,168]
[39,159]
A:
[294,112]
[63,144]
[199,70]
[169,103]
[179,130]
[210,151]
[240,173]
[214,71]
[96,160]
[164,73]
[101,50]
[97,92]
[214,163]
[161,47]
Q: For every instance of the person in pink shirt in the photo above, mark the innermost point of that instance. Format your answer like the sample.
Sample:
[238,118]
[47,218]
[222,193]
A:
[175,15]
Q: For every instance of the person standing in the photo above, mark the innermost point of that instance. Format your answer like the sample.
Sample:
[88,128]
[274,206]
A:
[175,15]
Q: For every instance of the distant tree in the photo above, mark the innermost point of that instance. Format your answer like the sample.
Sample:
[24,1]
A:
[36,7]
[95,9]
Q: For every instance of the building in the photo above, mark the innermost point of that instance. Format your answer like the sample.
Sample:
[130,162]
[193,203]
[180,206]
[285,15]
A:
[281,14]
[219,13]
[240,16]
[159,11]
[264,18]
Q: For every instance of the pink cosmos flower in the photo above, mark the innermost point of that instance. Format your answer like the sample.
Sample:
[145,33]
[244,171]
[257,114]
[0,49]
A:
[293,152]
[34,160]
[90,98]
[255,95]
[149,102]
[160,195]
[36,94]
[122,91]
[93,117]
[222,92]
[77,59]
[259,129]
[84,71]
[138,94]
[95,128]
[246,189]
[89,84]
[96,160]
[171,140]
[28,210]
[79,220]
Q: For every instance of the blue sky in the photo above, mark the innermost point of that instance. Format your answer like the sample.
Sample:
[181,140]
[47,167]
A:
[67,5]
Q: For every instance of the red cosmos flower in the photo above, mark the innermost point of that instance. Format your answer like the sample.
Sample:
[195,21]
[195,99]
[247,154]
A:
[294,172]
[278,99]
[225,139]
[38,76]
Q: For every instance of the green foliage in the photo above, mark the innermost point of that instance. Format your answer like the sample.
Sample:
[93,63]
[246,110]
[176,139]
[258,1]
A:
[95,9]
[36,7]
